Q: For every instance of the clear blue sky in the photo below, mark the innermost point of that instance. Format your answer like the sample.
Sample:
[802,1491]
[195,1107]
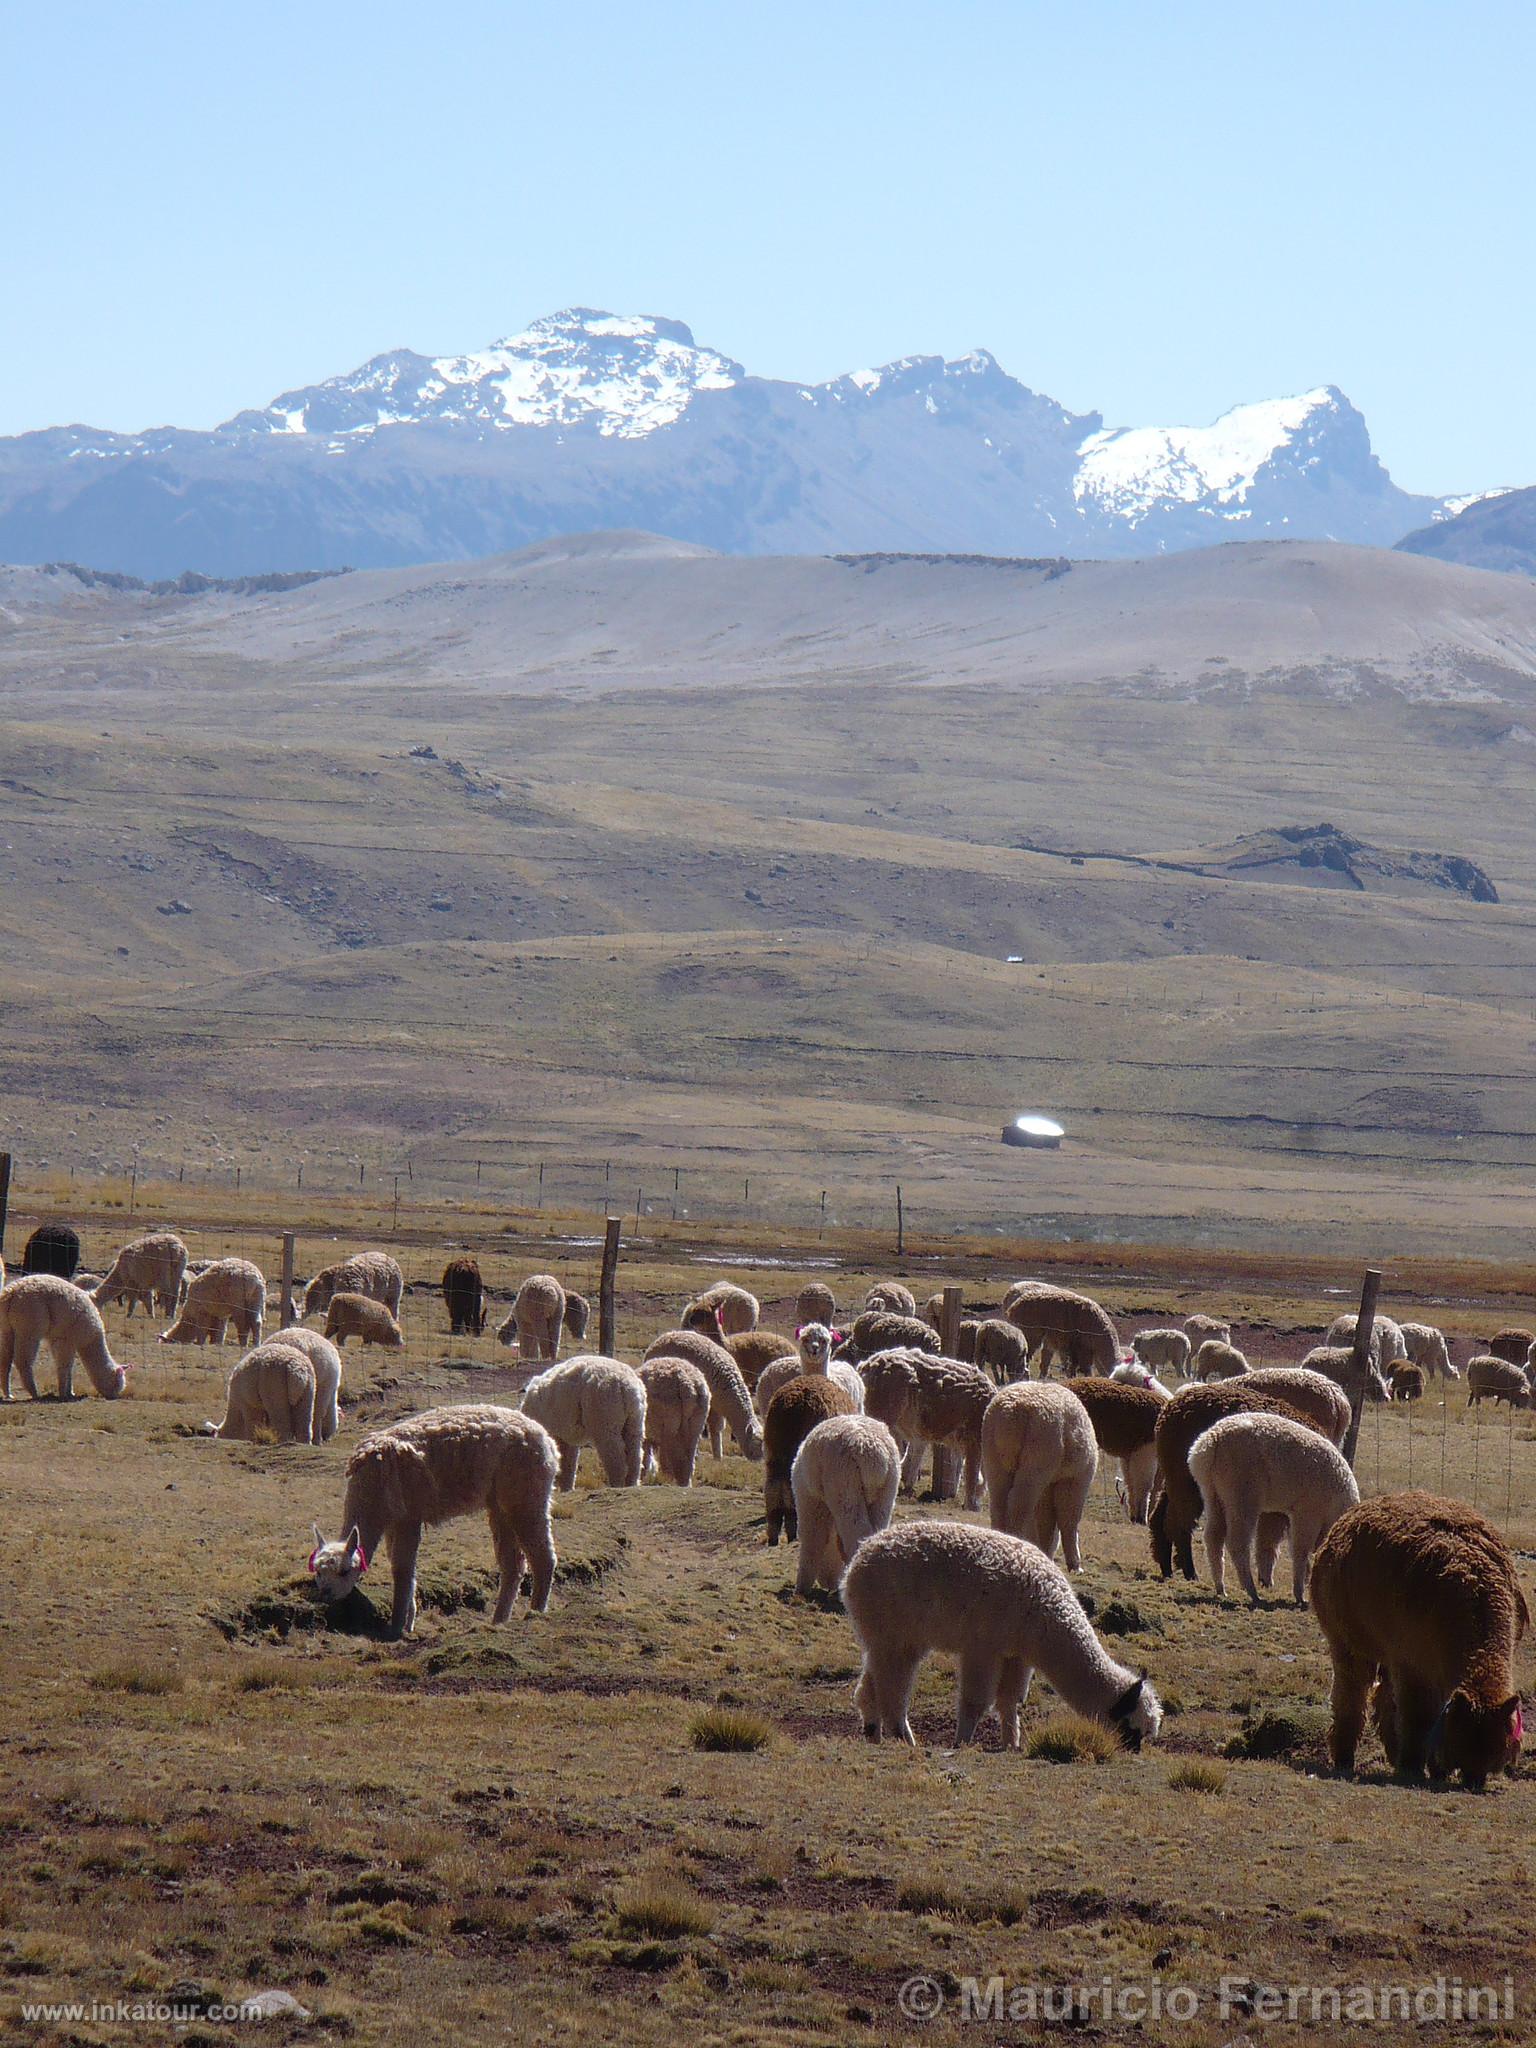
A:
[1156,211]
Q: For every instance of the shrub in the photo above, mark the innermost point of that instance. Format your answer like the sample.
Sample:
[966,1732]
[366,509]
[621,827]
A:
[662,1906]
[729,1728]
[1069,1739]
[1198,1776]
[136,1676]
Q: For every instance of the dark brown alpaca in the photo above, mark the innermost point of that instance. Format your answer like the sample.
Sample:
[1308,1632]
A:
[1419,1594]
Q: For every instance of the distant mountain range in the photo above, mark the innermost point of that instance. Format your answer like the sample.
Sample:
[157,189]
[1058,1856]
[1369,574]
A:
[1493,532]
[591,421]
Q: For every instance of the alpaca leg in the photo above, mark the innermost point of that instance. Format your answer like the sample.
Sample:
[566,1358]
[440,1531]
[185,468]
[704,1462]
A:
[302,1419]
[1304,1540]
[973,1476]
[1418,1708]
[570,1458]
[816,1547]
[687,1455]
[529,1522]
[716,1433]
[1012,1690]
[898,1674]
[330,1419]
[634,1436]
[7,1359]
[1043,1530]
[854,1524]
[1015,1503]
[1071,1498]
[1384,1714]
[509,1556]
[1215,1542]
[774,1491]
[613,1456]
[912,1464]
[1140,1474]
[64,1362]
[1272,1529]
[1242,1526]
[980,1675]
[1351,1690]
[404,1542]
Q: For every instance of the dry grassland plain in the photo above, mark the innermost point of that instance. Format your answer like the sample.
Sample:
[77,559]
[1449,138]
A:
[446,893]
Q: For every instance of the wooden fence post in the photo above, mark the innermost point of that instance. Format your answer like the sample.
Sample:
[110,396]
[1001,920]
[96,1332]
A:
[1360,1359]
[901,1225]
[606,1335]
[286,1298]
[5,1196]
[946,1460]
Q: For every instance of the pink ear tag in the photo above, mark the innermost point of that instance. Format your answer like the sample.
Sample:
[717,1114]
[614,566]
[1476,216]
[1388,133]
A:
[1519,1723]
[362,1560]
[313,1555]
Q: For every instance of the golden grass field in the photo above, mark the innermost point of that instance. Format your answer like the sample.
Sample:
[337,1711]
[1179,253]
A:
[487,1834]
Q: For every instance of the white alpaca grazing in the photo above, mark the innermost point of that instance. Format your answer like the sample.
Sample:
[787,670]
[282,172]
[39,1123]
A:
[1427,1348]
[432,1468]
[228,1291]
[1256,1474]
[730,1404]
[1166,1350]
[592,1400]
[149,1272]
[676,1413]
[40,1309]
[1038,1457]
[326,1359]
[274,1385]
[845,1478]
[373,1274]
[1001,1607]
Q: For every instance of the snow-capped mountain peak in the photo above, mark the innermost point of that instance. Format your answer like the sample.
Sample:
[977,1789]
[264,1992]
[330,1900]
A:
[612,374]
[1132,471]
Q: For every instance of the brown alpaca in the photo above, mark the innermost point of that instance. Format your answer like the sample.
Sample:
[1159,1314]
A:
[42,1308]
[792,1414]
[1420,1595]
[1407,1381]
[374,1274]
[1513,1345]
[1495,1379]
[356,1315]
[892,1297]
[464,1297]
[1124,1419]
[1178,1505]
[1061,1325]
[999,1348]
[926,1400]
[882,1329]
[755,1349]
[816,1303]
[734,1309]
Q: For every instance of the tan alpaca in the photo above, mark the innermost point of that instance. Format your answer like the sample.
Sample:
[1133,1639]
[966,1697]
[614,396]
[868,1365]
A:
[148,1271]
[374,1274]
[228,1291]
[359,1315]
[537,1319]
[433,1468]
[676,1411]
[39,1309]
[272,1385]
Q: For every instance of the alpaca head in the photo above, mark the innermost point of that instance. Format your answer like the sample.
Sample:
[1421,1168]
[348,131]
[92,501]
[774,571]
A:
[337,1566]
[815,1346]
[1477,1741]
[704,1317]
[1137,1714]
[116,1381]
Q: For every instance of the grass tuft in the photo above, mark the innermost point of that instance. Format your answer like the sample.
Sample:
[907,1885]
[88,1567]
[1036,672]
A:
[269,1674]
[730,1728]
[1069,1739]
[1198,1775]
[662,1906]
[135,1675]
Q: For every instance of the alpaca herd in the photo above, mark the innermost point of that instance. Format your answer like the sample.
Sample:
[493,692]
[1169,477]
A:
[1416,1597]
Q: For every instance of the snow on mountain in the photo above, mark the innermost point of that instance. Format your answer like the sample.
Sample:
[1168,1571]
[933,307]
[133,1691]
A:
[1132,471]
[590,420]
[581,369]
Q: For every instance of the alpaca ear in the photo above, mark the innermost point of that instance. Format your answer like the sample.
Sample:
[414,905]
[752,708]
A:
[319,1539]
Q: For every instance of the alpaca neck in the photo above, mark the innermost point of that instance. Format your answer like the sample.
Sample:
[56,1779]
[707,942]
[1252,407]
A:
[1076,1664]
